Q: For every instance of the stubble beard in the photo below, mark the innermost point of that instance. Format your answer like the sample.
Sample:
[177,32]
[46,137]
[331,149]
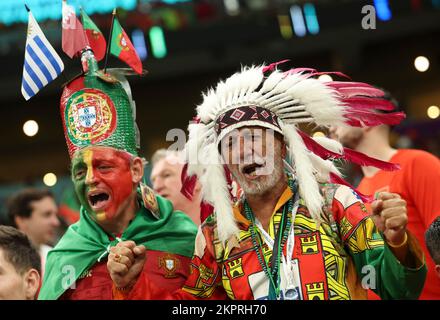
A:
[266,184]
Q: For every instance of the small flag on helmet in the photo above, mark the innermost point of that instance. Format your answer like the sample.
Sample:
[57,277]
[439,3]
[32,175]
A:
[122,47]
[94,36]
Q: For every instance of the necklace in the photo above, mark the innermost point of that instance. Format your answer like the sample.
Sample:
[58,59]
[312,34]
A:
[272,270]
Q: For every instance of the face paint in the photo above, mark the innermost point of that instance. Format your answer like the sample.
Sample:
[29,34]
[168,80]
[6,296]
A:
[103,181]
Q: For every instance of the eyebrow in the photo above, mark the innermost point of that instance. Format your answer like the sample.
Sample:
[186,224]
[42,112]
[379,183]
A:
[162,172]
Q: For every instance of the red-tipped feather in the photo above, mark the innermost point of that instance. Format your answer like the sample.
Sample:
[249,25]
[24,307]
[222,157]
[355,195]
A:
[336,73]
[272,66]
[316,148]
[349,155]
[359,118]
[364,160]
[300,70]
[188,186]
[188,183]
[205,210]
[350,92]
[344,84]
[363,103]
[334,178]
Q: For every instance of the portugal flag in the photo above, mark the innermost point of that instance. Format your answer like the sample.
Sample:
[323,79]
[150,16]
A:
[94,35]
[122,47]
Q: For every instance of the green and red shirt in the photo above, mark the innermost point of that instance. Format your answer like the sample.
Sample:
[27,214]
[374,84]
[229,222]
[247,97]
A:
[79,260]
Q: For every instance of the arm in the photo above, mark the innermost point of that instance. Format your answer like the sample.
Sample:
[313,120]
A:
[393,273]
[203,282]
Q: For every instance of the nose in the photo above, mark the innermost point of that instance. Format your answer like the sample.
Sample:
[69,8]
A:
[158,185]
[246,148]
[90,177]
[55,221]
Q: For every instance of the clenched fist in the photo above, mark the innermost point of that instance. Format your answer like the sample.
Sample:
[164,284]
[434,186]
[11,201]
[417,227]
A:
[125,263]
[389,216]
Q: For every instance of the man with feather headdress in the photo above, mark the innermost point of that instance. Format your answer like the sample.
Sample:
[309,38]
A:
[299,232]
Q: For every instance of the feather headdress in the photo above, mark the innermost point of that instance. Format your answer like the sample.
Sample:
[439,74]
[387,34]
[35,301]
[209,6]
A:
[266,97]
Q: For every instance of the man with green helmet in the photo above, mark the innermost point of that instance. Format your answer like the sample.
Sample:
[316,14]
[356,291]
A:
[102,138]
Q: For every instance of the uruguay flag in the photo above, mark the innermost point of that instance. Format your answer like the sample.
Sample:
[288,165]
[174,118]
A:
[41,62]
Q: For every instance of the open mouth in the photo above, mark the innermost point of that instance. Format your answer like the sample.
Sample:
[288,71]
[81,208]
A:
[98,200]
[250,170]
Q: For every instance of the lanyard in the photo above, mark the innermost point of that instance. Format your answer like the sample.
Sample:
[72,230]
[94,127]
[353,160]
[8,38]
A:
[274,244]
[288,267]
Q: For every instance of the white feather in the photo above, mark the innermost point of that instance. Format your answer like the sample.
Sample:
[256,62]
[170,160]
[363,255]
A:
[271,82]
[323,168]
[320,101]
[210,104]
[308,186]
[215,191]
[197,134]
[330,144]
[273,102]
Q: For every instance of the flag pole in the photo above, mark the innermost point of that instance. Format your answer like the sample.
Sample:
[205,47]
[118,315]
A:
[84,30]
[109,40]
[82,21]
[27,8]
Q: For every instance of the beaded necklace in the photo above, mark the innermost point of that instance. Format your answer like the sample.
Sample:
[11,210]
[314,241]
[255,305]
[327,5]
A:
[283,229]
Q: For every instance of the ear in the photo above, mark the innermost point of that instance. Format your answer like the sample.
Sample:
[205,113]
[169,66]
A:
[32,284]
[197,188]
[437,269]
[283,150]
[20,222]
[137,170]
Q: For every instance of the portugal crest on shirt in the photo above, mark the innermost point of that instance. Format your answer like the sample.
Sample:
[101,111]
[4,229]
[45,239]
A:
[170,264]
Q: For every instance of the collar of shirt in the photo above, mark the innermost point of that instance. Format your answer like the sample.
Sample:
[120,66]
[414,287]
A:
[239,208]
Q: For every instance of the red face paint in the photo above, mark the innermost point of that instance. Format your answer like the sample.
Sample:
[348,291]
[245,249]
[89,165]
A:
[103,181]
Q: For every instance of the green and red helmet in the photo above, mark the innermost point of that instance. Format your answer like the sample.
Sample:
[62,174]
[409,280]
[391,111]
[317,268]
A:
[96,110]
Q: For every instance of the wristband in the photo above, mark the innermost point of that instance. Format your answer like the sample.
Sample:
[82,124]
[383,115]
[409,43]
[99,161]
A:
[399,245]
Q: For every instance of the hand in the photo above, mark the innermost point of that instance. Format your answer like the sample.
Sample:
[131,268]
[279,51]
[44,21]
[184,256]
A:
[125,263]
[389,216]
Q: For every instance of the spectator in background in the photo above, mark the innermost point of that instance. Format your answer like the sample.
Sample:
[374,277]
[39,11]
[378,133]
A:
[166,179]
[432,238]
[34,212]
[416,182]
[19,266]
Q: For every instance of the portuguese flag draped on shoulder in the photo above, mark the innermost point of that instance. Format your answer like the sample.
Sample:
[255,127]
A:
[122,47]
[94,36]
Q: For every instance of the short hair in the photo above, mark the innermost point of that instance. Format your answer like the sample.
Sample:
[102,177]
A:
[388,96]
[432,239]
[18,250]
[19,205]
[162,154]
